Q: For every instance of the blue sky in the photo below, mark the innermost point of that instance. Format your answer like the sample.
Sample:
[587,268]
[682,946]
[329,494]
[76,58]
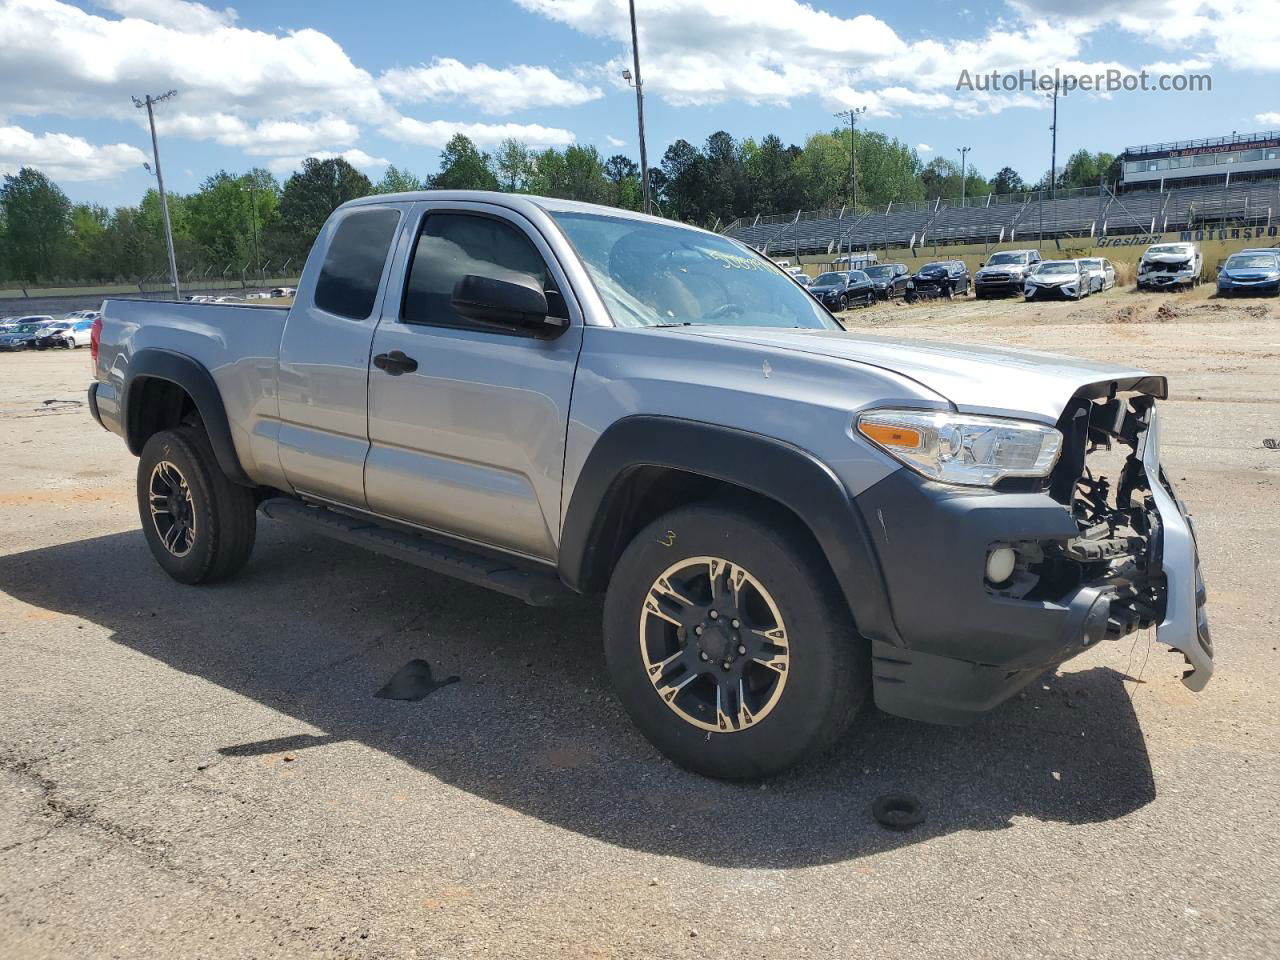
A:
[268,83]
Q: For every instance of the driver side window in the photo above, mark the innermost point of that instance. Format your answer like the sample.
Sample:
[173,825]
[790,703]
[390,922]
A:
[451,246]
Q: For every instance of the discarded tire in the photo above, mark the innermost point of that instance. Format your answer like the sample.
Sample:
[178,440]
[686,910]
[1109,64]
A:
[897,811]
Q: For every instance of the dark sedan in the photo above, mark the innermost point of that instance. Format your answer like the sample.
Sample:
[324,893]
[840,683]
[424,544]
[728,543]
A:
[889,279]
[946,278]
[838,291]
[1250,273]
[22,335]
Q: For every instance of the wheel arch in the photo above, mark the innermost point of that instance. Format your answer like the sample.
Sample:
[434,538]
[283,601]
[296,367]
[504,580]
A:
[162,388]
[643,466]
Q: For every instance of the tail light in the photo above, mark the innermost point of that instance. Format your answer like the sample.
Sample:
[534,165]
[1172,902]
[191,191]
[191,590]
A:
[95,338]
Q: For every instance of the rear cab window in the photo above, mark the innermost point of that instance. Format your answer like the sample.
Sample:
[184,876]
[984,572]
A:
[353,263]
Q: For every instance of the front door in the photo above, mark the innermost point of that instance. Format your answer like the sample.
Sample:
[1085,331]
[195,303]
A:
[467,422]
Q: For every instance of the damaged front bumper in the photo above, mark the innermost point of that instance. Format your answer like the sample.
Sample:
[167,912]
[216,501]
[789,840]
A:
[1159,279]
[1095,560]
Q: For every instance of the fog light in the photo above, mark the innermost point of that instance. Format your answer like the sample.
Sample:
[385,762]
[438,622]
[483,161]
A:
[1000,564]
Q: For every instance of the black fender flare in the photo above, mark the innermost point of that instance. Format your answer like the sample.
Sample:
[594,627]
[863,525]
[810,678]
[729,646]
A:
[193,377]
[771,468]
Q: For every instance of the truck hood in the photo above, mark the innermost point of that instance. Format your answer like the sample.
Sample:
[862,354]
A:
[974,378]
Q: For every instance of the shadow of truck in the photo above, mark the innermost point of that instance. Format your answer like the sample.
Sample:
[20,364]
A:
[312,629]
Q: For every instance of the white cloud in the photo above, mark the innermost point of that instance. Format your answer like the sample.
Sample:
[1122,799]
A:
[1178,66]
[491,90]
[614,141]
[279,95]
[267,137]
[174,13]
[436,133]
[282,166]
[64,157]
[1239,34]
[710,51]
[923,148]
[56,58]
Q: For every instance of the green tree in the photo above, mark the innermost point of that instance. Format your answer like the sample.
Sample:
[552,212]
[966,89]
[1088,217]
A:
[724,177]
[1007,180]
[395,180]
[88,250]
[311,194]
[514,165]
[772,181]
[888,171]
[584,175]
[1085,169]
[823,170]
[623,175]
[463,167]
[37,224]
[685,190]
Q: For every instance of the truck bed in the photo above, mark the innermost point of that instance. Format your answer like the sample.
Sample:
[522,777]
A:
[238,345]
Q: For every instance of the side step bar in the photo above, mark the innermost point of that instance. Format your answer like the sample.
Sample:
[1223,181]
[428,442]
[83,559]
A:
[535,588]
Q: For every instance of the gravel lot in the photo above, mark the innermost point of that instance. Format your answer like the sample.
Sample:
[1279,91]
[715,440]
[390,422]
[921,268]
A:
[205,772]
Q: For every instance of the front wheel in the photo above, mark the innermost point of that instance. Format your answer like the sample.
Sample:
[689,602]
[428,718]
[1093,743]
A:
[729,643]
[199,525]
[844,303]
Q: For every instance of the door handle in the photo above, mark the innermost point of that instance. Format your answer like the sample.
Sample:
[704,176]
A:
[395,363]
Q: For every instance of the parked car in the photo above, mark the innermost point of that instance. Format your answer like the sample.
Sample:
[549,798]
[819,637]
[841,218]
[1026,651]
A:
[546,398]
[43,338]
[22,332]
[279,293]
[1169,265]
[946,278]
[889,279]
[67,334]
[1056,280]
[1004,272]
[839,290]
[1100,271]
[803,279]
[1250,273]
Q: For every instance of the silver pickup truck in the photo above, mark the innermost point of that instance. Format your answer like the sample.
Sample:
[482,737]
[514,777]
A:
[548,399]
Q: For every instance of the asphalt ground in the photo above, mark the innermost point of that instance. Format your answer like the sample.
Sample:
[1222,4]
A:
[206,772]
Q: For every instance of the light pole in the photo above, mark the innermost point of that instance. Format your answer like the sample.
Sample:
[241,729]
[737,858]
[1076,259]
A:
[964,152]
[852,115]
[639,83]
[253,209]
[164,201]
[1053,147]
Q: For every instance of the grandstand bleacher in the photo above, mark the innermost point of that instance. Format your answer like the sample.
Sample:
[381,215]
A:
[1084,212]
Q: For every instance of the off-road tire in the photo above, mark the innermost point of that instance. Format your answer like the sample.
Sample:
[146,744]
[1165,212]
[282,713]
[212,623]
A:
[225,522]
[828,662]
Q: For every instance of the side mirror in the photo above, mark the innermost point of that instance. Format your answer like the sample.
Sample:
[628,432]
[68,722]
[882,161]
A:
[517,301]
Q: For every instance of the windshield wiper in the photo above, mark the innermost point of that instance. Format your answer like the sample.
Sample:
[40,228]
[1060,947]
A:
[678,323]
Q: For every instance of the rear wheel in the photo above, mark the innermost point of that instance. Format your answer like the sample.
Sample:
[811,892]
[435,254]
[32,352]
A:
[199,525]
[729,643]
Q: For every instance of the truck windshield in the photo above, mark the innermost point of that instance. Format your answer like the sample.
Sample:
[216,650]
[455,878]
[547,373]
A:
[998,258]
[650,275]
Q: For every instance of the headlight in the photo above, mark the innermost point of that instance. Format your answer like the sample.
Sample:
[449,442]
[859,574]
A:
[963,449]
